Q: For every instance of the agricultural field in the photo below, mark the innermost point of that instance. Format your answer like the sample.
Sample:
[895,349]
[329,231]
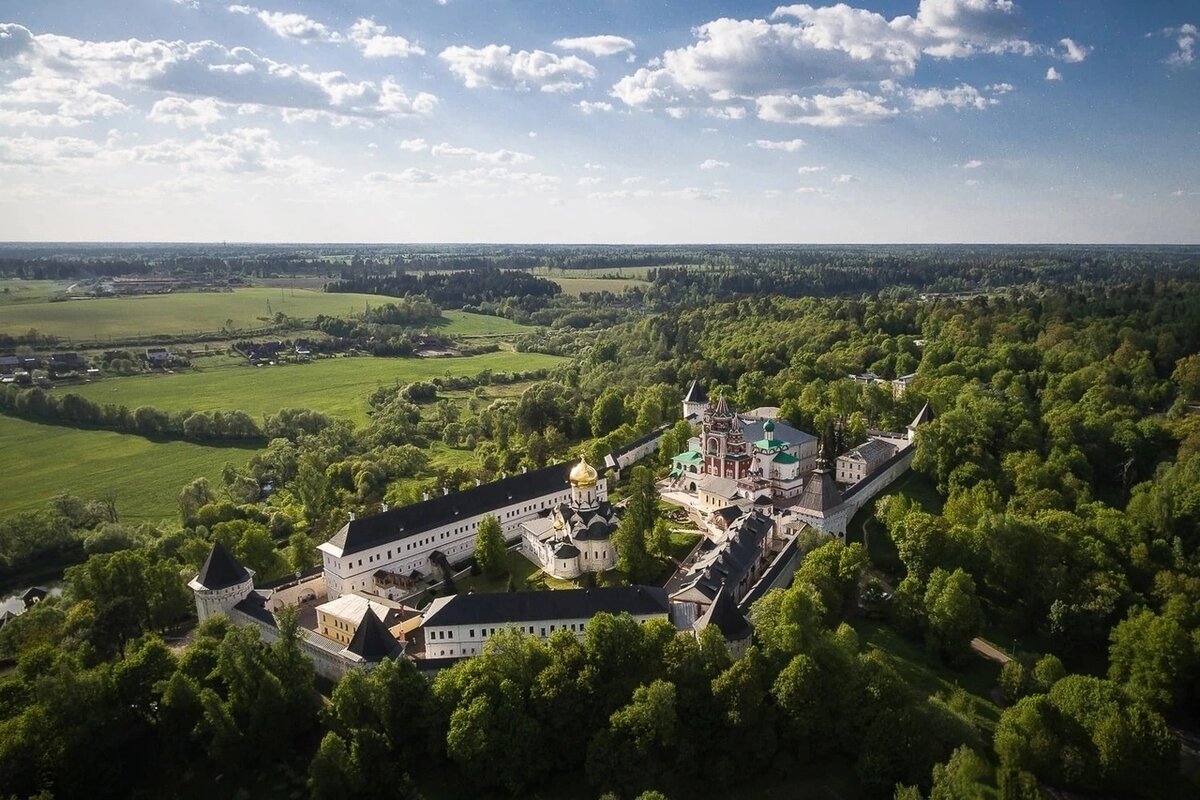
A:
[577,286]
[337,386]
[27,306]
[42,460]
[14,291]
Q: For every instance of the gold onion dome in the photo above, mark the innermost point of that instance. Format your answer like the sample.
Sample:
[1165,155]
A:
[584,474]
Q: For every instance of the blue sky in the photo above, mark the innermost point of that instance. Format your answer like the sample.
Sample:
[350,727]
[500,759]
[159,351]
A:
[630,121]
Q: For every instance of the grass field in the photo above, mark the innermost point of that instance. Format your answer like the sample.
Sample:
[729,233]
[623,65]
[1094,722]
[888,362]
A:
[40,461]
[196,312]
[15,292]
[577,286]
[337,386]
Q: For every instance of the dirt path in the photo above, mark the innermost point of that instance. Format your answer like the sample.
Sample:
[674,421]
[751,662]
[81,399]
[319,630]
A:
[989,651]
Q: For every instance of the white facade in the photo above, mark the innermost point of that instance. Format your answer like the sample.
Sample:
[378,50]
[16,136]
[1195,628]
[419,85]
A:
[457,641]
[456,540]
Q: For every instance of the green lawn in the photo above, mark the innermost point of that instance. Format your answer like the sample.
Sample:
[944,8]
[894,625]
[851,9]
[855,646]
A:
[464,323]
[40,461]
[197,312]
[519,567]
[14,291]
[337,386]
[577,286]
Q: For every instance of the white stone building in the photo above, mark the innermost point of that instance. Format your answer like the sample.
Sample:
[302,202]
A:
[860,462]
[575,537]
[458,626]
[403,540]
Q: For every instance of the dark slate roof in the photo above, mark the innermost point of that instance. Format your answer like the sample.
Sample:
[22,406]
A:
[408,521]
[728,513]
[772,576]
[733,559]
[725,615]
[221,570]
[35,593]
[372,640]
[695,393]
[504,607]
[566,550]
[820,492]
[255,605]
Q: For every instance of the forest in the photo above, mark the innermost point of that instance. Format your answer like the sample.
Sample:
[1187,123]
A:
[1064,458]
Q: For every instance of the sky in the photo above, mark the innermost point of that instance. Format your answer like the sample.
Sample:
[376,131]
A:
[627,121]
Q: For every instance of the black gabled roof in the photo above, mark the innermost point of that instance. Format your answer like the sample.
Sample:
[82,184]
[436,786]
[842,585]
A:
[413,520]
[221,570]
[736,557]
[820,493]
[372,640]
[505,607]
[725,615]
[695,393]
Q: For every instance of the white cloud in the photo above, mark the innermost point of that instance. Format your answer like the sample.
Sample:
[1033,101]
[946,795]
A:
[972,182]
[808,170]
[498,67]
[844,178]
[407,176]
[603,45]
[290,26]
[696,193]
[26,150]
[589,107]
[788,145]
[852,107]
[620,194]
[589,181]
[1185,44]
[974,163]
[413,145]
[590,165]
[999,88]
[1053,75]
[712,163]
[635,179]
[1115,196]
[959,97]
[811,190]
[182,113]
[1073,52]
[192,4]
[801,49]
[445,150]
[372,39]
[237,76]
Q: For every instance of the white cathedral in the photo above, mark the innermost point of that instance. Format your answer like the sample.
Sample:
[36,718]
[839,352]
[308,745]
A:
[574,537]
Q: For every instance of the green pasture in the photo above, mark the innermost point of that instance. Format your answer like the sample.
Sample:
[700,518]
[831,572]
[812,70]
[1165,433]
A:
[113,318]
[337,386]
[577,286]
[39,461]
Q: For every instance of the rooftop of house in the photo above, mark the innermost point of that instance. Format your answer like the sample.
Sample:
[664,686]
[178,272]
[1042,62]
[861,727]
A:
[354,607]
[516,607]
[820,493]
[875,450]
[723,613]
[221,570]
[372,640]
[413,520]
[721,487]
[730,560]
[753,431]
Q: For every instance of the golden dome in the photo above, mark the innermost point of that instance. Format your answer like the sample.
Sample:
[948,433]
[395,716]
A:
[584,474]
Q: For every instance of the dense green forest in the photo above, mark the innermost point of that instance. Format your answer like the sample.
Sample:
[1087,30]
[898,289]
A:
[1065,459]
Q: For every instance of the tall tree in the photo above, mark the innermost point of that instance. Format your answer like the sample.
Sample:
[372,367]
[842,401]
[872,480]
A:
[490,555]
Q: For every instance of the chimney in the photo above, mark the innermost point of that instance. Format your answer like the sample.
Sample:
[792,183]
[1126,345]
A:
[352,516]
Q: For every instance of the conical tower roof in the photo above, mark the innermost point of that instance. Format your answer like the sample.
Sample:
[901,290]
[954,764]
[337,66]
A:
[695,393]
[722,409]
[923,416]
[372,640]
[221,570]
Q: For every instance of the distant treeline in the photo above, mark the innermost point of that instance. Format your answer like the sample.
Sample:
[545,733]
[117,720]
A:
[841,273]
[474,287]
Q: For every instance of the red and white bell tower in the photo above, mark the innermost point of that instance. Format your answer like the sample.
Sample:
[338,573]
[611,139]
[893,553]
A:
[726,453]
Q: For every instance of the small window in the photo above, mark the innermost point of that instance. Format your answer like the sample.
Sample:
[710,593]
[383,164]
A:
[471,633]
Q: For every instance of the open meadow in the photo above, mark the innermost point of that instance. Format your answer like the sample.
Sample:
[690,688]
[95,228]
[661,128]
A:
[337,386]
[116,318]
[42,460]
